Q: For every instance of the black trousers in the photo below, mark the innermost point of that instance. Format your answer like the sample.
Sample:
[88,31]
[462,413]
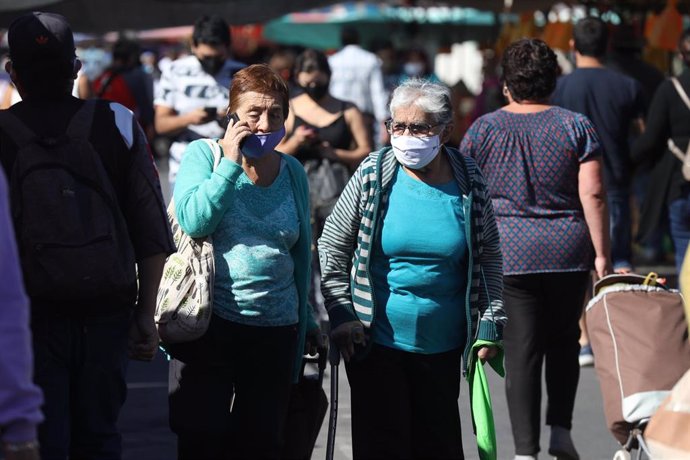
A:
[543,312]
[229,391]
[80,365]
[405,405]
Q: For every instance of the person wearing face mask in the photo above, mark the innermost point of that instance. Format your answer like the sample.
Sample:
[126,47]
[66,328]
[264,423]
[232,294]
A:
[417,65]
[193,90]
[255,204]
[327,135]
[416,226]
[544,169]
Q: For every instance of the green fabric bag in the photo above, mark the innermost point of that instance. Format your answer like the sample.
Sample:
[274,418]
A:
[480,399]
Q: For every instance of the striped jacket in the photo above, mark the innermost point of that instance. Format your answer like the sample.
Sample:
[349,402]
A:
[347,239]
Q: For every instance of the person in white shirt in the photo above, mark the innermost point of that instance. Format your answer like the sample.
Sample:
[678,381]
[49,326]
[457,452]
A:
[193,91]
[357,78]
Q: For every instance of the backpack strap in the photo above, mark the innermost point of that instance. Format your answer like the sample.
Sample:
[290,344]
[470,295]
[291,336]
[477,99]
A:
[681,92]
[80,124]
[15,129]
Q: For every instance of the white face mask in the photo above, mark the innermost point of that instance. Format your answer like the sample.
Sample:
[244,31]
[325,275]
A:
[413,69]
[415,152]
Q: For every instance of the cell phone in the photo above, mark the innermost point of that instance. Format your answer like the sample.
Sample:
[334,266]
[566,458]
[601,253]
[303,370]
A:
[236,119]
[224,122]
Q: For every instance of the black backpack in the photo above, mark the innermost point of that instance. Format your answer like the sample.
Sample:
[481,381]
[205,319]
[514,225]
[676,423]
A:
[73,239]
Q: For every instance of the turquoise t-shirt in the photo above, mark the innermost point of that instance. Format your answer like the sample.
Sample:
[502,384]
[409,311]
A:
[255,281]
[419,268]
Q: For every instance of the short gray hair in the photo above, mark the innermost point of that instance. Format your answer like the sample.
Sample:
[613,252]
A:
[432,98]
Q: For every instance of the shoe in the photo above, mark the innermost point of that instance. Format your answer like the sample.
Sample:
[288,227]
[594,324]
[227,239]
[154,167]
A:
[561,446]
[525,457]
[586,356]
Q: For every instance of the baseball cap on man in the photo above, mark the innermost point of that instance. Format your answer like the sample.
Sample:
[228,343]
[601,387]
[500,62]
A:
[40,36]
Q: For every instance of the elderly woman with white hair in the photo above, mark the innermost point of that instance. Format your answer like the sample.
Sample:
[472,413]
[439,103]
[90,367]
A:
[412,278]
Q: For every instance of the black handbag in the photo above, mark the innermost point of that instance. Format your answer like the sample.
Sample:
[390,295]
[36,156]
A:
[306,411]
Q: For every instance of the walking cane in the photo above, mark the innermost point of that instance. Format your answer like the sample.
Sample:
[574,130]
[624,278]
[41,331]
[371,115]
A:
[334,359]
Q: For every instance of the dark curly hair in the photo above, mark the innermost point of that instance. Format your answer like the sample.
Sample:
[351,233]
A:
[530,70]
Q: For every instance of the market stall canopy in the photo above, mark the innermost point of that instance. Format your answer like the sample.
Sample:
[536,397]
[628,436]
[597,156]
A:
[109,15]
[320,27]
[515,6]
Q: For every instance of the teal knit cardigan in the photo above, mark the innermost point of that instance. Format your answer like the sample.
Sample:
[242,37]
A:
[202,196]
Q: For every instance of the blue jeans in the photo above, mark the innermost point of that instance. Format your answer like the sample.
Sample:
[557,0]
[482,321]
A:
[621,227]
[679,215]
[80,364]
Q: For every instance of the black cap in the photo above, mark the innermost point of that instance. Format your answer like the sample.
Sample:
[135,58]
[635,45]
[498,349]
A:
[40,36]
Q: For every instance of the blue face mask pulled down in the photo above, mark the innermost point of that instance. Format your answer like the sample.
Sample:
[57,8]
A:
[258,145]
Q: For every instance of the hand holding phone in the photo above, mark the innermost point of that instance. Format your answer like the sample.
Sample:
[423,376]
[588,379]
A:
[236,134]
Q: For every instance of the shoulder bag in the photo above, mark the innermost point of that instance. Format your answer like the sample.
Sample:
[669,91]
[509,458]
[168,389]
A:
[185,294]
[682,156]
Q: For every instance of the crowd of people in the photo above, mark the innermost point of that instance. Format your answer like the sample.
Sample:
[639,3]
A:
[336,203]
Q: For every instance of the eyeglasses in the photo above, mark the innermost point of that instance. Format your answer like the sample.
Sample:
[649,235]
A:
[416,129]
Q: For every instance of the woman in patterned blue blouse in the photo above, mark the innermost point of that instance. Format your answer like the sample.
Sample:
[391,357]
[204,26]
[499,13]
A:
[543,166]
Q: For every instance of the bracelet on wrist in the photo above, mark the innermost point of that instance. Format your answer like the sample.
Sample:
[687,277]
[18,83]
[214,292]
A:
[20,446]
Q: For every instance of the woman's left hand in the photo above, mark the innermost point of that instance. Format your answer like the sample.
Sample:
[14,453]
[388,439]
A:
[315,340]
[231,141]
[485,353]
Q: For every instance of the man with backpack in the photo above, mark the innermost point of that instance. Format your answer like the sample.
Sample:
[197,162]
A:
[92,233]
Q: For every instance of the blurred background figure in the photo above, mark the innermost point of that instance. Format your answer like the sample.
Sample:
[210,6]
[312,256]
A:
[390,64]
[149,63]
[125,81]
[5,80]
[329,137]
[283,62]
[357,78]
[625,56]
[193,90]
[490,96]
[416,64]
[668,121]
[615,104]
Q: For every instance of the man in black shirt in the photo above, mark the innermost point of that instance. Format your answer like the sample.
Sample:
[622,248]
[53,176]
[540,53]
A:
[81,345]
[614,103]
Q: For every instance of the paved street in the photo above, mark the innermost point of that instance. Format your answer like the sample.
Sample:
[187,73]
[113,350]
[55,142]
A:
[147,437]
